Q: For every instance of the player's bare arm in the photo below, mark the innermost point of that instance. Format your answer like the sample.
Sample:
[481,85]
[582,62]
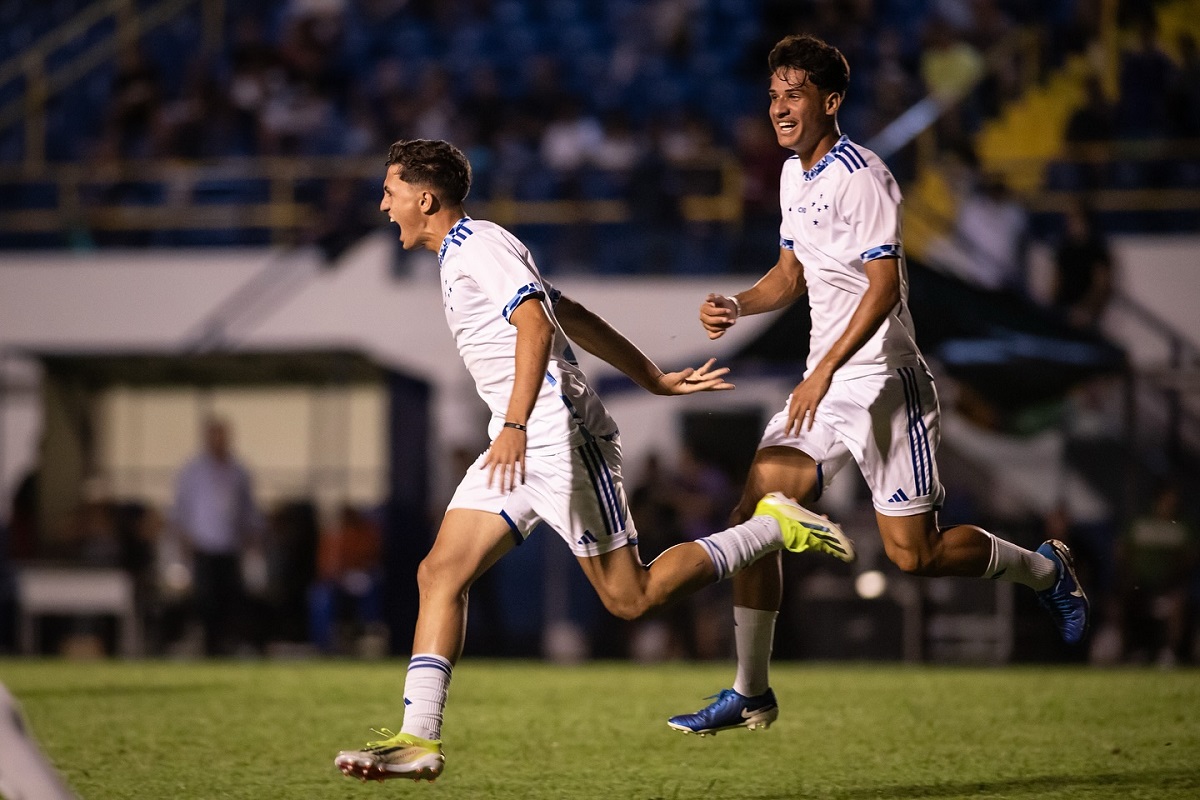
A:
[882,295]
[505,460]
[781,286]
[595,335]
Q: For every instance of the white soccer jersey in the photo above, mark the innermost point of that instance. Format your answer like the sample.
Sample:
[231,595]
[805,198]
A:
[486,272]
[837,216]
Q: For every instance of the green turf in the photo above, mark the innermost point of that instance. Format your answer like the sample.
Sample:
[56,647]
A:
[520,730]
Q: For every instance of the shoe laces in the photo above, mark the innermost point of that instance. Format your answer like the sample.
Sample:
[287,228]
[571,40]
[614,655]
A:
[1057,598]
[387,735]
[722,699]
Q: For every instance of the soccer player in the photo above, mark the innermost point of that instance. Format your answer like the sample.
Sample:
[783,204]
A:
[866,395]
[555,456]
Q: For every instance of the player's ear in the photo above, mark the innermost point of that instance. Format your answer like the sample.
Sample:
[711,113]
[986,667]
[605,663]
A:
[429,202]
[833,101]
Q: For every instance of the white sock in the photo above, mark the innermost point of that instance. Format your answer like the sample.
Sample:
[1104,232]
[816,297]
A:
[1018,565]
[425,691]
[733,549]
[754,636]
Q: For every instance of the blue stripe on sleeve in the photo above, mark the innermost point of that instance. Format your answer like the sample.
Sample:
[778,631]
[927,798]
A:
[525,291]
[882,251]
[787,244]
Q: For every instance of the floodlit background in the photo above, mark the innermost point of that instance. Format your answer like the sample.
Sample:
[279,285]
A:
[189,229]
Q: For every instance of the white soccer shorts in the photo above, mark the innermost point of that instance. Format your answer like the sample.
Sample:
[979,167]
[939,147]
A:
[889,424]
[578,492]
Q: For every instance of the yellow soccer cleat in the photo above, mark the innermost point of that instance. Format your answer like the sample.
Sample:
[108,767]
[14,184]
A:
[400,755]
[805,530]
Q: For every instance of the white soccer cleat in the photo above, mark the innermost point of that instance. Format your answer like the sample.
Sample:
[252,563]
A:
[401,755]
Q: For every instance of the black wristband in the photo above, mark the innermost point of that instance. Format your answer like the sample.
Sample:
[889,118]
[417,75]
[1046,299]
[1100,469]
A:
[515,425]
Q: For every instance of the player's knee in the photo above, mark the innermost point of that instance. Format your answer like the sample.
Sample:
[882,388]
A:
[910,560]
[627,606]
[438,574]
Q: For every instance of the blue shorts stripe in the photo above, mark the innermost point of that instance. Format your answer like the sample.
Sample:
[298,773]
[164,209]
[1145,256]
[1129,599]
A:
[913,447]
[518,537]
[917,425]
[922,431]
[597,469]
[618,513]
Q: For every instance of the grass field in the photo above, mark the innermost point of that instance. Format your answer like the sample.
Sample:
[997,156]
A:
[526,730]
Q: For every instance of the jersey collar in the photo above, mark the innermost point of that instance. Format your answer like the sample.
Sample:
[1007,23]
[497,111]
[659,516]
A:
[828,158]
[456,236]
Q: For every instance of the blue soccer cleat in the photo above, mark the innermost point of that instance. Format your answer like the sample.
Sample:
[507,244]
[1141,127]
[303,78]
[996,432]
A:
[1065,600]
[728,711]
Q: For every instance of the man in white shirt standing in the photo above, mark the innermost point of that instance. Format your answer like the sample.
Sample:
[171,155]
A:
[555,454]
[216,516]
[866,395]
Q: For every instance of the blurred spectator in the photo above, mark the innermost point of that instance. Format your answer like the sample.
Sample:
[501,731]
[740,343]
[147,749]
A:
[653,506]
[23,536]
[950,65]
[91,532]
[950,68]
[1157,558]
[1183,95]
[252,59]
[340,221]
[1147,73]
[761,159]
[347,588]
[992,237]
[1092,125]
[571,138]
[136,98]
[292,546]
[1083,277]
[216,517]
[1094,121]
[704,496]
[619,148]
[894,88]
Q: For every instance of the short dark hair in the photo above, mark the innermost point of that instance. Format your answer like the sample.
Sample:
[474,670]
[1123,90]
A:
[433,163]
[823,63]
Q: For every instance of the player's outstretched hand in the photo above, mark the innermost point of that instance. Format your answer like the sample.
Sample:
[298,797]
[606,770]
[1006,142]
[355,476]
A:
[700,379]
[717,315]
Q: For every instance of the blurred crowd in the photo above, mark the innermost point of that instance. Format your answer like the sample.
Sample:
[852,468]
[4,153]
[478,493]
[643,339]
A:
[571,99]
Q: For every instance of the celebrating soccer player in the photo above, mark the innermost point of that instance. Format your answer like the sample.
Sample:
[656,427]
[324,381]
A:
[866,395]
[555,455]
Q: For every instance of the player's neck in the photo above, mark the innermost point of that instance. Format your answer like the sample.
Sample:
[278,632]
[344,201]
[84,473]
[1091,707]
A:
[440,225]
[811,153]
